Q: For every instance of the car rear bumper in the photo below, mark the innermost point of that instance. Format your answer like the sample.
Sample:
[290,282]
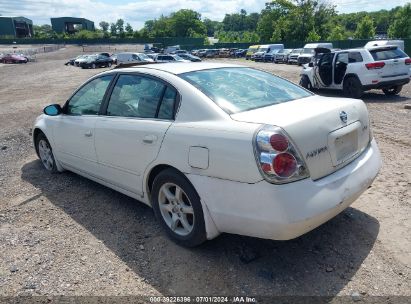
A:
[283,212]
[387,83]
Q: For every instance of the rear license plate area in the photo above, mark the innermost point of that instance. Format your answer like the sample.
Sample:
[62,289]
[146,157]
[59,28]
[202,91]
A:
[346,146]
[343,143]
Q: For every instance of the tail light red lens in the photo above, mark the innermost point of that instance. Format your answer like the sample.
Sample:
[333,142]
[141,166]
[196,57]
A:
[279,142]
[284,165]
[375,65]
[277,157]
[408,61]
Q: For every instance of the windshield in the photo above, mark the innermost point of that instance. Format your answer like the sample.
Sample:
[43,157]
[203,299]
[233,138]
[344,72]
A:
[242,89]
[308,51]
[176,57]
[262,49]
[143,56]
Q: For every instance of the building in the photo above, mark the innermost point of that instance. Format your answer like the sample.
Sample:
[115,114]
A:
[70,24]
[18,27]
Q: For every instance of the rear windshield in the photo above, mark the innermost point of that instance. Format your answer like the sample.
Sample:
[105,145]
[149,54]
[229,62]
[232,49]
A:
[242,89]
[385,54]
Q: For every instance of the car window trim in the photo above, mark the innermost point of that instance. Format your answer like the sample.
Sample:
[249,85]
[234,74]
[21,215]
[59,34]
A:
[177,101]
[65,106]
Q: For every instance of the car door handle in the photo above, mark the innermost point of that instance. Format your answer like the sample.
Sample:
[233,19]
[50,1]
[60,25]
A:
[88,134]
[149,139]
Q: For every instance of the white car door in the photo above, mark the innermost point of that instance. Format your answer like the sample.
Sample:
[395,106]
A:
[139,112]
[73,131]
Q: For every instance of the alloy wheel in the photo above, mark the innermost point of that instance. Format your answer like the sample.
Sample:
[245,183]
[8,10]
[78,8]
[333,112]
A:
[46,156]
[176,209]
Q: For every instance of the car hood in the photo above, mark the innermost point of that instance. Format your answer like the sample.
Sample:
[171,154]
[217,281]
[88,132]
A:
[315,125]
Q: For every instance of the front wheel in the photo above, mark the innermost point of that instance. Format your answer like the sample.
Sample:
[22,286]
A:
[177,206]
[305,82]
[109,65]
[93,66]
[393,90]
[46,153]
[352,87]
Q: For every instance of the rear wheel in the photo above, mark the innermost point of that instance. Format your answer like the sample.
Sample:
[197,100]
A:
[305,82]
[93,66]
[109,64]
[177,206]
[352,87]
[392,90]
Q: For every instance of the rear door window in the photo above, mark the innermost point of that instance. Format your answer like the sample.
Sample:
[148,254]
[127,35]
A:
[387,53]
[354,57]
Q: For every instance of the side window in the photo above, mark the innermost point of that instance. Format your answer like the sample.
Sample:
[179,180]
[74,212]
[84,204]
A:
[135,57]
[167,105]
[88,99]
[342,58]
[354,57]
[160,57]
[326,59]
[135,96]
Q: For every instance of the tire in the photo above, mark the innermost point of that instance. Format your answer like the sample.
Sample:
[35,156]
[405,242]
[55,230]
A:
[392,90]
[186,228]
[93,66]
[109,64]
[45,153]
[352,87]
[306,83]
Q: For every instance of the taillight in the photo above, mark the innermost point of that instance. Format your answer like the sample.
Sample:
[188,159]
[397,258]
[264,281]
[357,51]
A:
[375,65]
[408,61]
[277,158]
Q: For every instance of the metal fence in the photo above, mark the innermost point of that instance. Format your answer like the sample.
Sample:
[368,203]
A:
[32,51]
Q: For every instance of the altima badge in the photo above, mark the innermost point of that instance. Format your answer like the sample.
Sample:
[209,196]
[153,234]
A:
[343,116]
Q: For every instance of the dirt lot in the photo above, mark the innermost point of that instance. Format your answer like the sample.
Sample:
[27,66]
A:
[65,235]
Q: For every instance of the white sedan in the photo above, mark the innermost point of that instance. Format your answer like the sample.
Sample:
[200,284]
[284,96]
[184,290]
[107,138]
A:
[214,148]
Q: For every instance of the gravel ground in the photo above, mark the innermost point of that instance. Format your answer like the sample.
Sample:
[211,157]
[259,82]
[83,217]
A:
[65,235]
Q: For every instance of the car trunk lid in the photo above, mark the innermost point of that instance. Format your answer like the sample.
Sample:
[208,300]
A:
[328,132]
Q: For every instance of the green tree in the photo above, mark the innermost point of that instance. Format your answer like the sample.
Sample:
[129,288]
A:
[113,29]
[44,31]
[104,26]
[313,36]
[337,33]
[120,27]
[129,30]
[185,22]
[365,29]
[401,27]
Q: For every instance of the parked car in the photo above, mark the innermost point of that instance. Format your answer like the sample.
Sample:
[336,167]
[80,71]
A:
[169,58]
[179,52]
[96,61]
[271,49]
[104,54]
[399,43]
[282,56]
[240,53]
[190,57]
[293,56]
[13,58]
[128,57]
[309,50]
[211,53]
[81,59]
[170,49]
[251,50]
[270,161]
[72,60]
[357,70]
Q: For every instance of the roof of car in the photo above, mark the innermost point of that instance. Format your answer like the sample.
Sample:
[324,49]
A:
[179,67]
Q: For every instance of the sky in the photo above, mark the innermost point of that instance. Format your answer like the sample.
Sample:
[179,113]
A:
[138,11]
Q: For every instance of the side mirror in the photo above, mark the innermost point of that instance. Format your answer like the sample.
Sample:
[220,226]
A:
[311,64]
[52,110]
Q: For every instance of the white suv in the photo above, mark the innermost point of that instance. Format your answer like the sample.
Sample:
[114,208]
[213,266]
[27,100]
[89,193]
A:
[357,70]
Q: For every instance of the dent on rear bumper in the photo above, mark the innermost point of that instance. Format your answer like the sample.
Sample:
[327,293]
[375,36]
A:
[287,211]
